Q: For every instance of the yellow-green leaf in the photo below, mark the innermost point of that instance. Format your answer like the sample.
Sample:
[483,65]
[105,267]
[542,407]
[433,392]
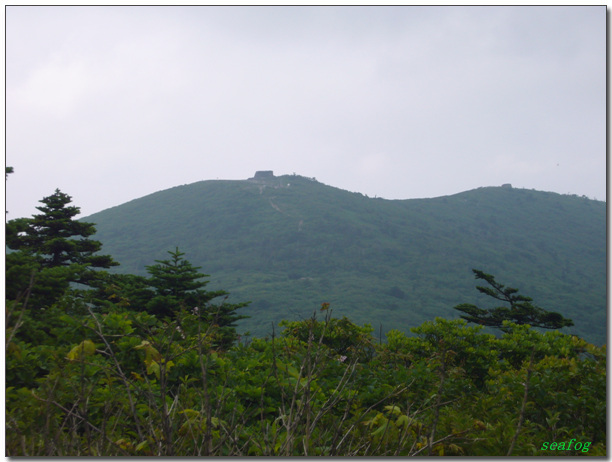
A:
[143,445]
[151,354]
[394,409]
[402,420]
[190,413]
[85,348]
[153,368]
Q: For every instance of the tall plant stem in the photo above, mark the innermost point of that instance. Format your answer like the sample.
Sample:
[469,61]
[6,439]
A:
[523,405]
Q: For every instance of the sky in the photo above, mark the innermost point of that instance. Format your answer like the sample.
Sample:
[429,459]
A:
[113,103]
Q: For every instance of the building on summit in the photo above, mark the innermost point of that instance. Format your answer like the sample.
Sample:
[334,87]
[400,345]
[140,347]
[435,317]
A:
[264,175]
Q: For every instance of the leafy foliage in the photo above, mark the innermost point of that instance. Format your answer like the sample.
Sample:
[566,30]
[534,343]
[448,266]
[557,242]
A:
[126,383]
[344,337]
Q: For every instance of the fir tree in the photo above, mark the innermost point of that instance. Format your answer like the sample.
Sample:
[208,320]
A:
[177,277]
[179,286]
[55,238]
[55,248]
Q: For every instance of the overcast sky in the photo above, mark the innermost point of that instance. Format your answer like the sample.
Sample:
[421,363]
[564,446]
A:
[110,104]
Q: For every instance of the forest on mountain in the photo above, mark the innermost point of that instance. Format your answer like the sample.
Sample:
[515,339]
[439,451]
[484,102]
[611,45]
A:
[289,243]
[107,363]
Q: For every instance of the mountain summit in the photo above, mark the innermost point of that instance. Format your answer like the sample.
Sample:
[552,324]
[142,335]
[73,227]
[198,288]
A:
[289,243]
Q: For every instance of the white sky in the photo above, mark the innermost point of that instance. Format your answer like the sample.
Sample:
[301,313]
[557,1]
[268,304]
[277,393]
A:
[110,104]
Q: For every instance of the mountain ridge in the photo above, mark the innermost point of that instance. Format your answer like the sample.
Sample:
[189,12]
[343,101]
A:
[289,243]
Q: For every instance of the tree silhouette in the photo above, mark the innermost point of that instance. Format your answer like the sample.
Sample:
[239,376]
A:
[55,247]
[520,311]
[55,238]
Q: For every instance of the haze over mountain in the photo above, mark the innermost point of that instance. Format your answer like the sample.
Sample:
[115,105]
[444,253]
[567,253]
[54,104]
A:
[288,243]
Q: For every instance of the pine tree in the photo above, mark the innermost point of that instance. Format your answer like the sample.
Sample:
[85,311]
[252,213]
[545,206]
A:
[52,236]
[520,311]
[53,246]
[179,286]
[177,277]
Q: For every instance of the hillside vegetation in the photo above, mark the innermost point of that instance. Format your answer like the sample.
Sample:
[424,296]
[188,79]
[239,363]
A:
[107,363]
[288,243]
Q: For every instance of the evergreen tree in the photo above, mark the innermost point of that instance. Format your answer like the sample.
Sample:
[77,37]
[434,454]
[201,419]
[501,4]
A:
[123,290]
[224,318]
[520,311]
[53,246]
[179,286]
[177,277]
[52,235]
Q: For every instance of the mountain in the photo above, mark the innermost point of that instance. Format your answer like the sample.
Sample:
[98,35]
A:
[289,243]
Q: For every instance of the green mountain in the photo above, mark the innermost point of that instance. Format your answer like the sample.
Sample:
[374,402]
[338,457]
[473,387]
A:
[289,243]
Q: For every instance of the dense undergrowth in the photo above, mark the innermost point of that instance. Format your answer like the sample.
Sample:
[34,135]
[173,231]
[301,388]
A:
[122,383]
